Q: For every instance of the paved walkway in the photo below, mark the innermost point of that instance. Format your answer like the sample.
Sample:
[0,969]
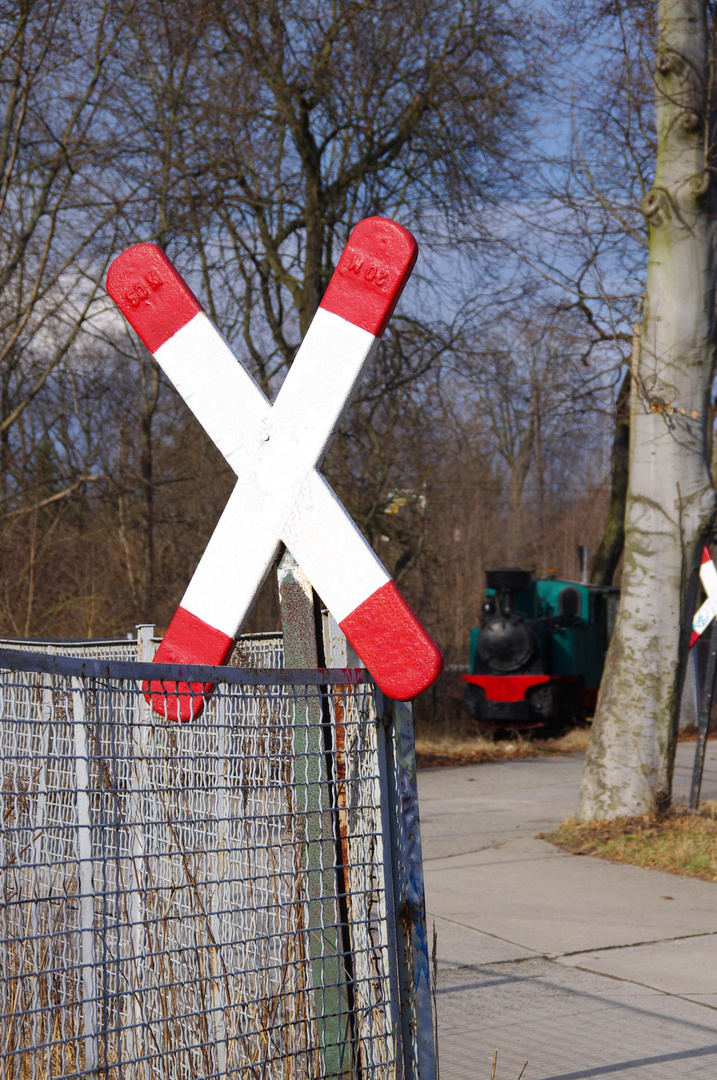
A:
[583,968]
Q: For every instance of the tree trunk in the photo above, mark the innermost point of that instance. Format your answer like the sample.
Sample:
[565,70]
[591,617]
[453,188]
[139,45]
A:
[671,501]
[613,540]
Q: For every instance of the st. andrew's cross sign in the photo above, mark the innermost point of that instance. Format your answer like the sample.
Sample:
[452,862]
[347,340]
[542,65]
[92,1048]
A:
[707,612]
[276,450]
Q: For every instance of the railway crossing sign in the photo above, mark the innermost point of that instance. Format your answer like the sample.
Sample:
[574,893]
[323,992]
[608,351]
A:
[706,613]
[276,451]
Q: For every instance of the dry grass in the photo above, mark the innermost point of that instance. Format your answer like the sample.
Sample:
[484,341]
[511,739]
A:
[440,748]
[435,749]
[681,843]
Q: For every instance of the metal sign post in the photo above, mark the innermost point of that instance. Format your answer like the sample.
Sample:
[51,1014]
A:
[704,617]
[316,799]
[704,719]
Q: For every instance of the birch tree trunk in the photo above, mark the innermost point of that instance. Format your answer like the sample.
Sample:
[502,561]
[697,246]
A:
[671,500]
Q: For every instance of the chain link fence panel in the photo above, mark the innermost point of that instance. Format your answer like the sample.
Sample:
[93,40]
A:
[251,651]
[212,899]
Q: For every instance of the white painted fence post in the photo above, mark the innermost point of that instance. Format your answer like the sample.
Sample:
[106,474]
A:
[86,882]
[46,711]
[146,646]
[221,809]
[139,745]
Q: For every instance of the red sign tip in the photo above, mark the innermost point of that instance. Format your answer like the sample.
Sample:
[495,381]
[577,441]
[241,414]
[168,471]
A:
[151,295]
[189,640]
[393,644]
[371,273]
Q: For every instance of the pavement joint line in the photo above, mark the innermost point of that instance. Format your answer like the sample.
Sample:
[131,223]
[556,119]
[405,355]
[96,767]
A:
[486,933]
[473,851]
[495,796]
[557,956]
[555,854]
[633,945]
[647,1020]
[547,857]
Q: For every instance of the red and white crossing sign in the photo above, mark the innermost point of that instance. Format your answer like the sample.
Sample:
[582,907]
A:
[276,450]
[706,613]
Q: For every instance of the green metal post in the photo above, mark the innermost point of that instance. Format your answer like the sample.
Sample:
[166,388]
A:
[314,805]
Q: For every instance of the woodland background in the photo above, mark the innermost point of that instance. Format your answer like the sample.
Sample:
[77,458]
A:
[247,138]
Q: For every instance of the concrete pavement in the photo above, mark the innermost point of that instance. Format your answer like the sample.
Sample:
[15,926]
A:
[583,968]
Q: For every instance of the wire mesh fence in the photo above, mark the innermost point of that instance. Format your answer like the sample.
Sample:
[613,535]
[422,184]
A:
[202,900]
[259,651]
[97,649]
[251,651]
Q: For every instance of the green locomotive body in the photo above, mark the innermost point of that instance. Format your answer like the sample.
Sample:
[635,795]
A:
[537,657]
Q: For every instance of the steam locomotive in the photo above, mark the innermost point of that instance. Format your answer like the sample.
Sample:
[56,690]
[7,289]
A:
[538,654]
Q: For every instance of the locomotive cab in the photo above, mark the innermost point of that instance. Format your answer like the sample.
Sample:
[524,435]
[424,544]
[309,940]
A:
[537,655]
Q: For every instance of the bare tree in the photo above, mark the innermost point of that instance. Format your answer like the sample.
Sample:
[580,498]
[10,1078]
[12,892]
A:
[247,139]
[55,207]
[582,237]
[256,135]
[284,123]
[524,385]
